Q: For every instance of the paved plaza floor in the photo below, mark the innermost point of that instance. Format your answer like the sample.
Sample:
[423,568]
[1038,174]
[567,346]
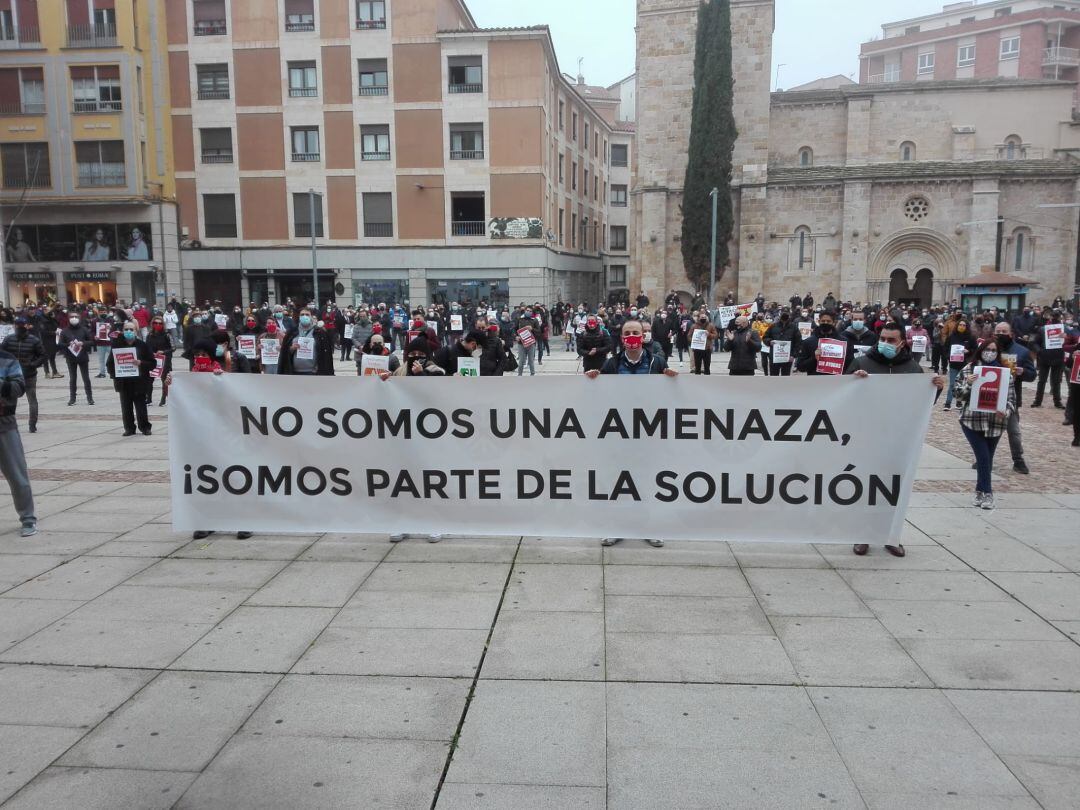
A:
[141,669]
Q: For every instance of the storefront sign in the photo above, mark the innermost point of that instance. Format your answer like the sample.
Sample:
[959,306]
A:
[92,275]
[36,278]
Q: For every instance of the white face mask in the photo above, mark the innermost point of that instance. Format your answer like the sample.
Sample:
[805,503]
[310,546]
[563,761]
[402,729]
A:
[73,321]
[989,357]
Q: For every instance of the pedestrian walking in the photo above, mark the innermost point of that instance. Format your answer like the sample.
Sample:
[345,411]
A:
[12,456]
[26,347]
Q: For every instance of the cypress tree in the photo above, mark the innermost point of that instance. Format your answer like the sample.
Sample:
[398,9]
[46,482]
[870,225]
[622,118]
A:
[712,141]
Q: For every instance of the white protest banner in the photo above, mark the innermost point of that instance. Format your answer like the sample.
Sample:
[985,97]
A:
[468,366]
[727,315]
[957,353]
[806,329]
[823,461]
[492,315]
[1054,336]
[305,348]
[271,350]
[222,321]
[990,391]
[433,326]
[781,351]
[126,362]
[159,365]
[700,340]
[455,323]
[348,331]
[918,344]
[833,356]
[245,347]
[372,365]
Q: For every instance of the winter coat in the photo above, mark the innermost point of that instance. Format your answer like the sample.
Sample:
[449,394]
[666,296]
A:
[76,333]
[147,362]
[28,350]
[324,353]
[650,363]
[12,386]
[745,347]
[873,362]
[593,339]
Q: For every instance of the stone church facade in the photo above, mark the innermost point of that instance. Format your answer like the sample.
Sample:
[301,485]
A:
[872,192]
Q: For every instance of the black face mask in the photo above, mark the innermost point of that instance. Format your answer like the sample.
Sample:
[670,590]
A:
[825,328]
[1004,342]
[785,317]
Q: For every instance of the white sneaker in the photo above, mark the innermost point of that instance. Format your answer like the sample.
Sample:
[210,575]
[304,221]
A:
[655,543]
[988,502]
[947,408]
[977,500]
[434,538]
[397,538]
[610,541]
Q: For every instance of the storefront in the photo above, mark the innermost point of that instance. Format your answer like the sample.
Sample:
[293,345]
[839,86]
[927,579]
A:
[373,292]
[1005,292]
[281,286]
[469,292]
[90,286]
[31,288]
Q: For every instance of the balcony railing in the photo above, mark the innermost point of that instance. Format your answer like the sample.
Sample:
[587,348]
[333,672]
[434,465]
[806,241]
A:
[210,28]
[1065,57]
[217,157]
[379,230]
[21,181]
[27,36]
[300,25]
[618,203]
[374,90]
[374,155]
[466,154]
[619,164]
[468,228]
[97,106]
[23,108]
[883,78]
[102,174]
[303,92]
[92,36]
[212,95]
[306,157]
[466,88]
[304,229]
[367,25]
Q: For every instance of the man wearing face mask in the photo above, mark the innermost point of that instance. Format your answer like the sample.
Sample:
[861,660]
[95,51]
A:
[808,351]
[197,330]
[1051,364]
[26,347]
[290,362]
[132,390]
[1019,359]
[702,358]
[75,343]
[470,345]
[783,331]
[860,338]
[745,346]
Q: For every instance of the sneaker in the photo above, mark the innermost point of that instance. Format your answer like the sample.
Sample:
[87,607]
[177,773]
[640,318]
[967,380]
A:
[988,502]
[978,499]
[243,535]
[434,538]
[610,541]
[861,549]
[397,538]
[655,543]
[947,408]
[28,530]
[1022,468]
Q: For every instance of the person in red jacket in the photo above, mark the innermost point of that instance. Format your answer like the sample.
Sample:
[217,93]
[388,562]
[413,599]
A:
[141,314]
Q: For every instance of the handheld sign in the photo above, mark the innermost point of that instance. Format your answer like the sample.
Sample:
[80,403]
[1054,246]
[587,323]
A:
[1054,336]
[918,344]
[5,330]
[102,330]
[1074,375]
[863,349]
[527,338]
[372,365]
[271,350]
[455,323]
[957,353]
[126,363]
[492,315]
[159,368]
[468,366]
[245,347]
[806,329]
[833,354]
[700,340]
[75,347]
[990,391]
[433,326]
[781,351]
[348,331]
[305,348]
[222,321]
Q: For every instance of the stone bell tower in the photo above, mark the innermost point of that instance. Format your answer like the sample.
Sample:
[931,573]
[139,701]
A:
[666,31]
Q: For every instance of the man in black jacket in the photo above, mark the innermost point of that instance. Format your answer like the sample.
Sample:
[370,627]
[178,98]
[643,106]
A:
[783,331]
[132,390]
[447,357]
[76,342]
[1051,364]
[26,347]
[745,346]
[593,345]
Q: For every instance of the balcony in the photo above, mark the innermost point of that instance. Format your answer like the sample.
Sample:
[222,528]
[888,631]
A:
[466,88]
[17,182]
[27,36]
[97,106]
[374,90]
[23,108]
[92,36]
[468,228]
[102,174]
[303,229]
[1061,57]
[217,157]
[379,230]
[305,24]
[883,78]
[466,154]
[618,203]
[212,95]
[303,92]
[374,155]
[210,28]
[369,25]
[306,157]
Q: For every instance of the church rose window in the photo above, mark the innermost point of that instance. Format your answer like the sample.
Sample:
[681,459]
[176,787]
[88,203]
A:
[916,209]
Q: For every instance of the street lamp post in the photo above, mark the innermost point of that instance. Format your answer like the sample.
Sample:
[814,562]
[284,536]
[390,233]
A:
[314,251]
[715,194]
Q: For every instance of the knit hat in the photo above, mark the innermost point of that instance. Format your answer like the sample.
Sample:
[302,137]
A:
[419,344]
[206,346]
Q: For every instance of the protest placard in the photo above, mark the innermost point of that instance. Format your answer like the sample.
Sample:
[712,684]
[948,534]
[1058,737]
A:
[455,323]
[700,340]
[1054,336]
[245,346]
[159,365]
[990,391]
[833,356]
[372,365]
[527,337]
[957,353]
[126,362]
[918,344]
[468,366]
[781,351]
[271,350]
[305,348]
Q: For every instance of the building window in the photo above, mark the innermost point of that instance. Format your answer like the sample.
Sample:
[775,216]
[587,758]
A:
[305,144]
[801,253]
[573,230]
[562,175]
[25,165]
[209,17]
[965,56]
[917,208]
[466,141]
[620,155]
[22,91]
[375,142]
[212,81]
[806,156]
[219,216]
[299,15]
[302,225]
[99,32]
[466,74]
[586,136]
[585,180]
[907,151]
[1010,48]
[1005,12]
[100,163]
[618,237]
[374,79]
[595,188]
[617,275]
[468,215]
[370,14]
[573,175]
[892,73]
[1021,243]
[378,215]
[1013,148]
[217,145]
[562,216]
[573,126]
[96,88]
[303,80]
[926,64]
[618,196]
[562,113]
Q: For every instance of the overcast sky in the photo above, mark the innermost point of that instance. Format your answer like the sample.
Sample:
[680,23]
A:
[813,39]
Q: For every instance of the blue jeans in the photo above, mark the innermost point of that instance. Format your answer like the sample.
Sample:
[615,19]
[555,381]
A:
[528,354]
[953,374]
[103,359]
[984,447]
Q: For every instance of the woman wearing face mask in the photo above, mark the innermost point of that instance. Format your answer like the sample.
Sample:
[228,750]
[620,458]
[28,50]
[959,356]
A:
[273,333]
[251,329]
[132,390]
[362,330]
[76,342]
[957,333]
[158,340]
[196,331]
[321,363]
[917,331]
[983,430]
[702,358]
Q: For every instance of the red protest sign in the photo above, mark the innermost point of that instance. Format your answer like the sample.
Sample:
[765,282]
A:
[831,356]
[1074,375]
[527,337]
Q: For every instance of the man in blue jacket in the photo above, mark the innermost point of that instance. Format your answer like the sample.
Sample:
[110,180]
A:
[1025,372]
[12,457]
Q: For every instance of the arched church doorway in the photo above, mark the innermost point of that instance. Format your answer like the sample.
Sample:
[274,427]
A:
[920,294]
[924,288]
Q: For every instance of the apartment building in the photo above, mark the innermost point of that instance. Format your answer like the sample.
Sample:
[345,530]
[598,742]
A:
[86,189]
[432,160]
[1008,39]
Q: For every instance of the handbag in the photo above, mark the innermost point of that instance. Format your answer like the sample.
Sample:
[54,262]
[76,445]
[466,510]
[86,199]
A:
[510,363]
